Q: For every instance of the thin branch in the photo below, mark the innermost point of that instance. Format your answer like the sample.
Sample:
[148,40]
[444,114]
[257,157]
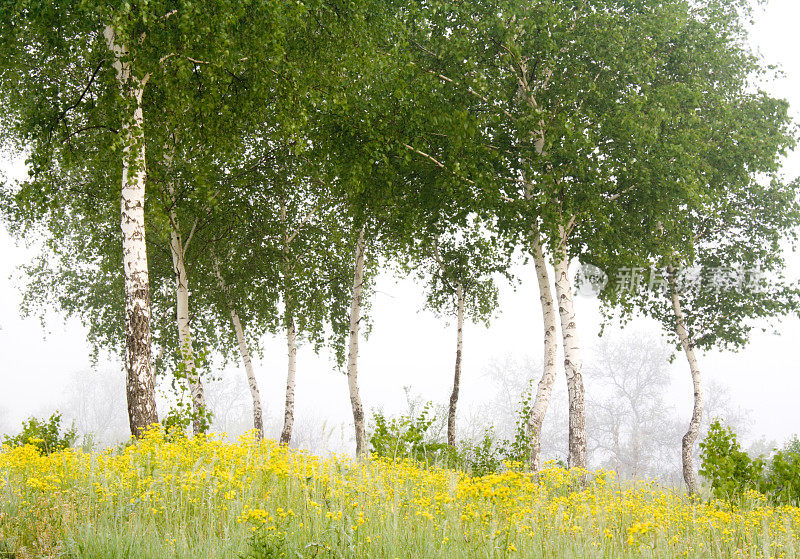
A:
[622,193]
[446,79]
[437,162]
[83,93]
[191,234]
[302,224]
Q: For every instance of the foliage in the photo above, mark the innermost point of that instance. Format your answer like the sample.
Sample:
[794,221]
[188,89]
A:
[728,468]
[783,474]
[183,414]
[407,437]
[47,436]
[266,545]
[412,437]
[732,472]
[482,457]
[492,455]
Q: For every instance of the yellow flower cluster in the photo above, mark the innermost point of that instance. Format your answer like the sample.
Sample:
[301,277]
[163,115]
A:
[206,497]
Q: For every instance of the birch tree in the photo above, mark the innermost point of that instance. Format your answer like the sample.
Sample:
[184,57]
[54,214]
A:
[728,285]
[707,260]
[459,265]
[554,98]
[282,257]
[571,115]
[90,108]
[85,84]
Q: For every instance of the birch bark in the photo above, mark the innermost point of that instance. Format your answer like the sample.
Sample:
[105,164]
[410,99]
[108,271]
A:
[690,438]
[291,346]
[451,412]
[184,326]
[291,334]
[352,354]
[544,389]
[140,384]
[573,363]
[244,352]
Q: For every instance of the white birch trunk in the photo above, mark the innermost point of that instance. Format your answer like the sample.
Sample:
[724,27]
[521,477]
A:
[184,326]
[544,389]
[352,355]
[291,347]
[690,438]
[244,352]
[291,334]
[139,374]
[573,364]
[451,412]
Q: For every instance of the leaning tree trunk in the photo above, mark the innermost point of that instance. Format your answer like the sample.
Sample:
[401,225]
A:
[545,388]
[690,438]
[352,354]
[139,374]
[573,363]
[451,412]
[244,352]
[291,347]
[199,421]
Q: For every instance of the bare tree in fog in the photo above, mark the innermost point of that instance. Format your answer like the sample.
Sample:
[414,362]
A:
[719,404]
[95,402]
[510,380]
[231,409]
[632,429]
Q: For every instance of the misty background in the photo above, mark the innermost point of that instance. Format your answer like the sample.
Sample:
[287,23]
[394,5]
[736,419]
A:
[408,358]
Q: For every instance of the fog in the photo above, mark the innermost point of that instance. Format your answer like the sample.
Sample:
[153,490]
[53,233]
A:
[47,365]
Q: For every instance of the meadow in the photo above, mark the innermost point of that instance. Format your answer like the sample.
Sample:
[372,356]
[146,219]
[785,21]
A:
[204,497]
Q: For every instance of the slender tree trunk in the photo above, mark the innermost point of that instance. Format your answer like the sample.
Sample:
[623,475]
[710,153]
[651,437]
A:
[244,351]
[184,327]
[291,333]
[544,389]
[573,364]
[352,355]
[139,375]
[690,438]
[291,346]
[451,412]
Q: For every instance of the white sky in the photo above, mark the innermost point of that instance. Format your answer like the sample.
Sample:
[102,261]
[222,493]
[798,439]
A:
[411,347]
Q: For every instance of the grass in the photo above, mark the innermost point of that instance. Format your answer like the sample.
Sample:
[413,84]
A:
[203,497]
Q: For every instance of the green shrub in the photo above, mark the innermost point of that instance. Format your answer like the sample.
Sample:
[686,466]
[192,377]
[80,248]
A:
[408,436]
[728,468]
[489,455]
[783,475]
[484,457]
[266,546]
[45,435]
[731,471]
